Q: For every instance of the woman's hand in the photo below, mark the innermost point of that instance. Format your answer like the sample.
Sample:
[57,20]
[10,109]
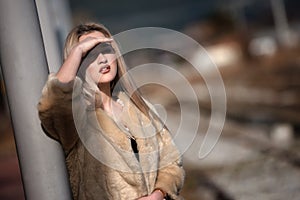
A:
[88,43]
[69,69]
[156,195]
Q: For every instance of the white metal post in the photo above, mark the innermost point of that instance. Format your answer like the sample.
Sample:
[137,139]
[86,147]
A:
[25,70]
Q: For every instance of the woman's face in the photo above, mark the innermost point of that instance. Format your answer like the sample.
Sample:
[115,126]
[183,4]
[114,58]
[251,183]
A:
[104,68]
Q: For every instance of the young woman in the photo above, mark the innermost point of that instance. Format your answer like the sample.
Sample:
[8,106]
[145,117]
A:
[115,145]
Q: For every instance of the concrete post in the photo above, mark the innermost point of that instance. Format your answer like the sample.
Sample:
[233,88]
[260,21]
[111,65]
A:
[25,71]
[55,21]
[51,42]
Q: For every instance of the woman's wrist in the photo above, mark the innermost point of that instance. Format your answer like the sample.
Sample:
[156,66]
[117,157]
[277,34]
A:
[68,70]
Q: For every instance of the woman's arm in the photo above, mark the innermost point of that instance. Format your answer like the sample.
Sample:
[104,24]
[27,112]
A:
[61,94]
[69,69]
[55,110]
[170,177]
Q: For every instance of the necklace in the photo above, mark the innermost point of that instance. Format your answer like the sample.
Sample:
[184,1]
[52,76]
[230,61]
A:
[120,122]
[128,133]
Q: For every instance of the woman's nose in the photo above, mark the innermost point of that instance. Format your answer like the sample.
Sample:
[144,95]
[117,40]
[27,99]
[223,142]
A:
[101,59]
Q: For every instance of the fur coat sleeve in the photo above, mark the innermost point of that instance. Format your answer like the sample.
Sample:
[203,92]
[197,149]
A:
[170,176]
[55,110]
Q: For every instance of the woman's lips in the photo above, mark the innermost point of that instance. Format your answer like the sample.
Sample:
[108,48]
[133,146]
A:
[105,69]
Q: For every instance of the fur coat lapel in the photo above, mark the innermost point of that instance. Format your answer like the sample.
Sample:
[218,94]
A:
[115,148]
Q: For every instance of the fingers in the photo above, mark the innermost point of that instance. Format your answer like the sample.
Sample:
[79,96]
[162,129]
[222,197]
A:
[105,39]
[92,41]
[89,42]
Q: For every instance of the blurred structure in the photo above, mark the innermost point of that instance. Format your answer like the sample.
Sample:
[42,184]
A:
[284,34]
[2,93]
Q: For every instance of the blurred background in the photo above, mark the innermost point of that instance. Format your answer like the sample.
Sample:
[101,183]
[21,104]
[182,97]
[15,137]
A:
[255,45]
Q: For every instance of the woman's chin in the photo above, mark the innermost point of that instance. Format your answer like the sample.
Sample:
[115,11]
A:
[104,80]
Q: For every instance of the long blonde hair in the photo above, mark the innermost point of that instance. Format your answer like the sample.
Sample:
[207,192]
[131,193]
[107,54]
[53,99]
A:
[125,82]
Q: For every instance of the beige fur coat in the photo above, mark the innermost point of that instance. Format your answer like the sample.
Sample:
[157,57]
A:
[99,155]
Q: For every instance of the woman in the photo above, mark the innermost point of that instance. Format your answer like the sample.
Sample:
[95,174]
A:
[115,145]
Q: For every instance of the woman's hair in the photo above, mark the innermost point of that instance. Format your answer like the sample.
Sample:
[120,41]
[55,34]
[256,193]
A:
[125,82]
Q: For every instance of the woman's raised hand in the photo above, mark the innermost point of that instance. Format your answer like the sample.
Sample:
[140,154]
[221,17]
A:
[88,43]
[68,70]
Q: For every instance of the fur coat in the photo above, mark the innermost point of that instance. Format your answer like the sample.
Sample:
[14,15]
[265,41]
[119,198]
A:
[100,156]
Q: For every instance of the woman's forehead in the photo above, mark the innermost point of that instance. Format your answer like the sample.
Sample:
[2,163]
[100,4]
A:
[91,34]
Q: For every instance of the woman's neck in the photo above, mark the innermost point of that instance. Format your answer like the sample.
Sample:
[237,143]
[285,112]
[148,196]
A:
[105,96]
[111,107]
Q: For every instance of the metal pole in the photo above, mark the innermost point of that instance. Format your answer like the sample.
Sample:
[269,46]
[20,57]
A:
[63,18]
[281,22]
[50,38]
[25,72]
[55,21]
